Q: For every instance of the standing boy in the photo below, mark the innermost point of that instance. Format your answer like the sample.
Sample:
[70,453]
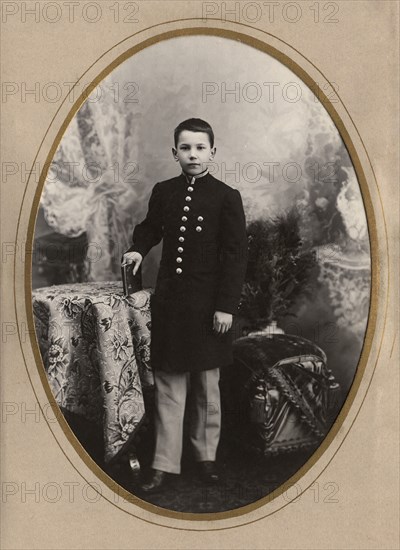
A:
[202,269]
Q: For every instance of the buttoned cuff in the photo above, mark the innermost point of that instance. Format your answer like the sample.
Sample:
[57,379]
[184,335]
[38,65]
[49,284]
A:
[227,304]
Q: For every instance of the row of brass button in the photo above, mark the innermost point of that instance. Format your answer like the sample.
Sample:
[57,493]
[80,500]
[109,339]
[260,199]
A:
[182,228]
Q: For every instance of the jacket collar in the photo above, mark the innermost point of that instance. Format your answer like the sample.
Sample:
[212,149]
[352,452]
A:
[191,179]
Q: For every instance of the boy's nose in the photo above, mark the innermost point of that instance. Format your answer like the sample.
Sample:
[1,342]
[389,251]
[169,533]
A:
[193,154]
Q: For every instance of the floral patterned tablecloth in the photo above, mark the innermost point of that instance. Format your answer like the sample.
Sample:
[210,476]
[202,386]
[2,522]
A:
[95,346]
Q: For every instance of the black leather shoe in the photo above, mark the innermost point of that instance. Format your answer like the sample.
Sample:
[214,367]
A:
[208,472]
[156,482]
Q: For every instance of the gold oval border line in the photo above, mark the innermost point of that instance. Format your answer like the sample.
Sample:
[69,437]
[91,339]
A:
[270,50]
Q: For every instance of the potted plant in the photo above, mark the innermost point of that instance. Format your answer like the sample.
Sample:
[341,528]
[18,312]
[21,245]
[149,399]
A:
[279,382]
[278,271]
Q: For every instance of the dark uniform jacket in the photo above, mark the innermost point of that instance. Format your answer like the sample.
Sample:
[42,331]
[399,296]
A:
[202,269]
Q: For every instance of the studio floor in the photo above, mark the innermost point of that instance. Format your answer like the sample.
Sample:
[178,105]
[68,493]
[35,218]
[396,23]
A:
[245,478]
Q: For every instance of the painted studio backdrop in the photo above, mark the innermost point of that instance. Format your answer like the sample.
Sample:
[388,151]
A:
[275,143]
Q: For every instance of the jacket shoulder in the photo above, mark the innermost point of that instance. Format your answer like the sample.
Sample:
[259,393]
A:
[224,187]
[165,183]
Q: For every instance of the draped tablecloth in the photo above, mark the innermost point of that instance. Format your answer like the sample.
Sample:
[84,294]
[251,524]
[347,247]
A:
[95,346]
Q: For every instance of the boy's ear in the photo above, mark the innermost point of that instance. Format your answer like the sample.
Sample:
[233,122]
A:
[212,152]
[174,153]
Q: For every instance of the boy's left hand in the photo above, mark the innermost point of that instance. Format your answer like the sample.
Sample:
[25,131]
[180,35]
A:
[222,322]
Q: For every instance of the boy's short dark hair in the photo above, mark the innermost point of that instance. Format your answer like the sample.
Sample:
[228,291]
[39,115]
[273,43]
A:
[194,125]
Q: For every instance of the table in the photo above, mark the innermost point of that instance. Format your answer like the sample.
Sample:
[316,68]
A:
[95,345]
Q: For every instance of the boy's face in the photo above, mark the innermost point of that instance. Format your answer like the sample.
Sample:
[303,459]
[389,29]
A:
[193,151]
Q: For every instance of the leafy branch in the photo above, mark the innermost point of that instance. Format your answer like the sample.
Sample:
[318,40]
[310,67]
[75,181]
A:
[278,269]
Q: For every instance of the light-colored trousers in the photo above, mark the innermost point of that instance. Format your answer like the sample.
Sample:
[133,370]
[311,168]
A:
[171,390]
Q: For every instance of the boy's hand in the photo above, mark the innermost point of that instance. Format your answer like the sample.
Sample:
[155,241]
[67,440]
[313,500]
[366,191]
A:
[222,322]
[132,258]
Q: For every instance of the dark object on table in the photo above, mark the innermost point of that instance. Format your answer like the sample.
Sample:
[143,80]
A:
[131,283]
[58,259]
[278,396]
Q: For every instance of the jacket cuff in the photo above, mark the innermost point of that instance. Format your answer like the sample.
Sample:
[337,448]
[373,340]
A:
[227,304]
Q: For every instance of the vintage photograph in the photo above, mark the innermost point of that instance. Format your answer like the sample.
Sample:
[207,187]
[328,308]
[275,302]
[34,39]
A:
[201,274]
